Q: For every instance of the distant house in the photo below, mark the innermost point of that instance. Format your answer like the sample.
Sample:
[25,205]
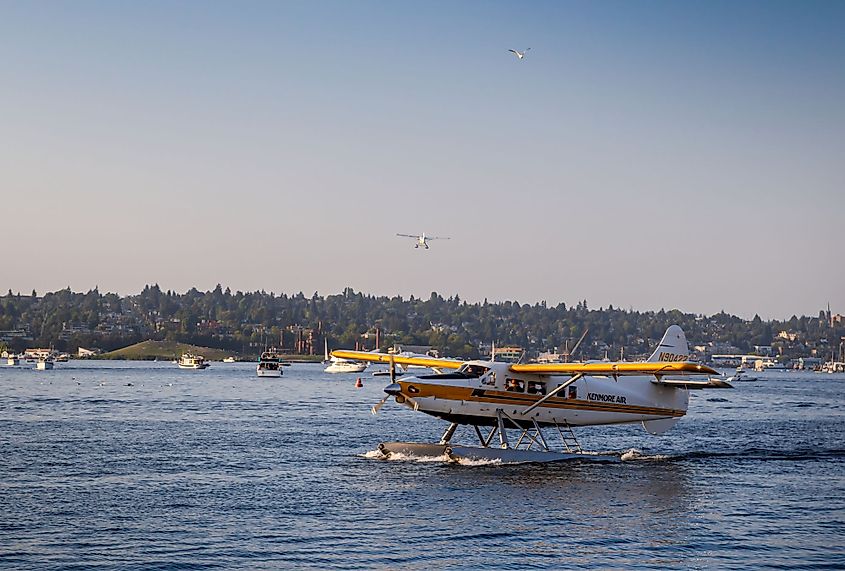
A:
[507,354]
[12,334]
[37,353]
[84,353]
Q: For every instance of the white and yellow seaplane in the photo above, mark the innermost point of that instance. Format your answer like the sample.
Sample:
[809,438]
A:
[530,397]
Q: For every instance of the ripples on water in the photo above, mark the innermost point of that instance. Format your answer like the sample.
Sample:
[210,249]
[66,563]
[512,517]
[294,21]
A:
[146,466]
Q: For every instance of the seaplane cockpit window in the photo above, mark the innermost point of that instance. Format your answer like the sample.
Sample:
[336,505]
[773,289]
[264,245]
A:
[515,385]
[536,388]
[473,371]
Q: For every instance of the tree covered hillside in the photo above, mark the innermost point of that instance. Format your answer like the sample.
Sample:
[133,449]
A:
[245,322]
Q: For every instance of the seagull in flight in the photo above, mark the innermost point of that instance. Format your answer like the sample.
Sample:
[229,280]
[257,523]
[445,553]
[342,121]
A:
[519,54]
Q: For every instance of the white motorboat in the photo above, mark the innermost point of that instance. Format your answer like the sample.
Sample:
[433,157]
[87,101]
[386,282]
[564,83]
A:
[229,360]
[269,365]
[189,361]
[338,365]
[761,365]
[743,375]
[13,361]
[44,364]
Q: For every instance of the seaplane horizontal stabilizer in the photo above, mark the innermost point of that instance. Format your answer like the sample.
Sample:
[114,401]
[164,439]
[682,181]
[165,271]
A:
[690,384]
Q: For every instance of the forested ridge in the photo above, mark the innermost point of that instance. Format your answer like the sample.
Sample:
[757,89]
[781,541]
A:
[246,321]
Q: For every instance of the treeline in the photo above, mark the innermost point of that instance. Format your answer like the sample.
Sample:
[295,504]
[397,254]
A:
[241,321]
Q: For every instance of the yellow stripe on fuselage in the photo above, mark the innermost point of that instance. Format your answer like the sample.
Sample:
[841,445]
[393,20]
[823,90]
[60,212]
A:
[445,392]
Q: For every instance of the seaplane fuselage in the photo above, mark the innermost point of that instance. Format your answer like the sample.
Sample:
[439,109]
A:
[478,390]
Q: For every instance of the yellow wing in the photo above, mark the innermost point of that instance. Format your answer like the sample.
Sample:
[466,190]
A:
[644,368]
[398,359]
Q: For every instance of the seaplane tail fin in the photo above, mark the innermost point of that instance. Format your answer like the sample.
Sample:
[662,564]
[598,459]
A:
[673,346]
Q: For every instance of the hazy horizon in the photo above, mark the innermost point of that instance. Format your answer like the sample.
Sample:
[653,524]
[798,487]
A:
[643,155]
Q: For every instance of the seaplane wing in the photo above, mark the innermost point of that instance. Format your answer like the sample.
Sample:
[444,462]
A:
[616,369]
[409,235]
[437,238]
[419,361]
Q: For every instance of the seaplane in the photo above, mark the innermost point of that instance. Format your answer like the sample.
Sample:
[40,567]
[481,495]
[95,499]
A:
[422,239]
[519,403]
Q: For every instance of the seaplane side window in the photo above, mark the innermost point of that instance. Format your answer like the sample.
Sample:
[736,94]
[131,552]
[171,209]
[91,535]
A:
[536,388]
[515,385]
[572,393]
[473,371]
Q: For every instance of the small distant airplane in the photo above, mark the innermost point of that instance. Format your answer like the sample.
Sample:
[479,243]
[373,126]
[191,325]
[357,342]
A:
[422,239]
[519,54]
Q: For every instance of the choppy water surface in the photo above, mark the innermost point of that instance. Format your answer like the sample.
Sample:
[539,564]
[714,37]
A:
[142,465]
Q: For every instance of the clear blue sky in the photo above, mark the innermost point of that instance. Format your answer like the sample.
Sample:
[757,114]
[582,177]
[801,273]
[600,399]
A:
[644,154]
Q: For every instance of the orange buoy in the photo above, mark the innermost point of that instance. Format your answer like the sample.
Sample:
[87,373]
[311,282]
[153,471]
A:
[358,383]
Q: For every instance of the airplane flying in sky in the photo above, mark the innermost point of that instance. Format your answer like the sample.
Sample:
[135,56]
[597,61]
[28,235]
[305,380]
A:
[422,239]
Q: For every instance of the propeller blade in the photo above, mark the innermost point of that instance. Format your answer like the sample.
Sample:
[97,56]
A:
[378,405]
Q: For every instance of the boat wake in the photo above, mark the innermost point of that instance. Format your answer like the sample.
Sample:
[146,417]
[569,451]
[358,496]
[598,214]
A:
[630,455]
[634,454]
[443,458]
[399,457]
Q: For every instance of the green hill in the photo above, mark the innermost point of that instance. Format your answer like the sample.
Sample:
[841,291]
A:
[164,350]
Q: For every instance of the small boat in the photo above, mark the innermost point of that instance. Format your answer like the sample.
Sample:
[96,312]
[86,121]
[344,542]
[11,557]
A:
[62,358]
[833,367]
[13,361]
[189,361]
[337,365]
[765,365]
[742,375]
[270,364]
[44,364]
[229,360]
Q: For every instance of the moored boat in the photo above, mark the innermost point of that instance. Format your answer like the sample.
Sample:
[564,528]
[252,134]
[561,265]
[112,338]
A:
[338,365]
[189,361]
[269,364]
[742,375]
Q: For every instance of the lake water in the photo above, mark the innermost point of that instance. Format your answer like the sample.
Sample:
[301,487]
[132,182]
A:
[145,466]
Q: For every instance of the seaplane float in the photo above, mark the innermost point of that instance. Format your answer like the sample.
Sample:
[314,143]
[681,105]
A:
[519,403]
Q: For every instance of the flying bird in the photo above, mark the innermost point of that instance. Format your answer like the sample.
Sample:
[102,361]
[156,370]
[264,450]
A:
[519,54]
